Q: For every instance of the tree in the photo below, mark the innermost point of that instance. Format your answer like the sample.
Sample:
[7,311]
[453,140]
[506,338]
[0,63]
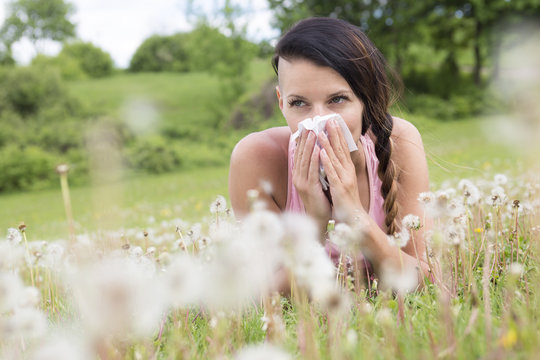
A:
[161,53]
[37,20]
[93,61]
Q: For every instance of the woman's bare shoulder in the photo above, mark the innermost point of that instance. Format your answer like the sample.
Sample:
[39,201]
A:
[260,157]
[408,152]
[265,143]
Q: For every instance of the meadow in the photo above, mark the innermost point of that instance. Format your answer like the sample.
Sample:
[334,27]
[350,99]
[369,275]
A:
[158,268]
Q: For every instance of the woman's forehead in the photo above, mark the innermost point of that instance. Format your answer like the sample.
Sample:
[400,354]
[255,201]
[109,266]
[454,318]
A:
[304,75]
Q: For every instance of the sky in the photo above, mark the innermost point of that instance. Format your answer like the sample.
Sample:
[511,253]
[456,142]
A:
[120,26]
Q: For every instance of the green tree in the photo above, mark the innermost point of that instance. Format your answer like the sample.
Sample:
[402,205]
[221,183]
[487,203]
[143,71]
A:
[161,53]
[93,61]
[37,20]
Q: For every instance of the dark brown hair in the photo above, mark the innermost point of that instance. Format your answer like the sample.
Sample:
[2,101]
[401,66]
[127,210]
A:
[346,49]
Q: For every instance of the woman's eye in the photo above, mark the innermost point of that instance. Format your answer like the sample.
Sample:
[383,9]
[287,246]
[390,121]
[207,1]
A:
[338,99]
[296,103]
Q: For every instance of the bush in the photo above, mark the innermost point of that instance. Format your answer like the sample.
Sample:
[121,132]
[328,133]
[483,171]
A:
[28,89]
[92,60]
[154,155]
[25,168]
[69,68]
[160,53]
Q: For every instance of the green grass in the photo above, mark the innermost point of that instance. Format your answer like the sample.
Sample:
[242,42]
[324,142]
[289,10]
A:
[128,204]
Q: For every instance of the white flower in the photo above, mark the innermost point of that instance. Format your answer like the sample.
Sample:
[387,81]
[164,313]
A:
[262,352]
[500,179]
[14,236]
[426,197]
[399,239]
[516,269]
[411,222]
[470,192]
[219,205]
[454,234]
[498,197]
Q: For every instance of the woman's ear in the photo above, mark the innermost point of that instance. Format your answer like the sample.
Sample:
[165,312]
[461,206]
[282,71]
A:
[280,99]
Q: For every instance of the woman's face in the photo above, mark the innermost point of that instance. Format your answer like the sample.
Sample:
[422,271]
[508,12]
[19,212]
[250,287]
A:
[306,90]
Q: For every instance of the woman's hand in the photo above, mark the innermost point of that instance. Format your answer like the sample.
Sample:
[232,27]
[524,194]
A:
[306,179]
[340,170]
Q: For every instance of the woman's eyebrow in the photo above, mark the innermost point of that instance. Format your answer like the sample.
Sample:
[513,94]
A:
[297,96]
[339,92]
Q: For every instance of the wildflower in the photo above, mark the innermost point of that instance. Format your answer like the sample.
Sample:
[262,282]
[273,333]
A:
[399,239]
[500,179]
[454,234]
[262,352]
[401,280]
[498,197]
[62,169]
[411,222]
[14,236]
[470,192]
[384,317]
[509,339]
[219,205]
[352,337]
[426,197]
[479,230]
[516,269]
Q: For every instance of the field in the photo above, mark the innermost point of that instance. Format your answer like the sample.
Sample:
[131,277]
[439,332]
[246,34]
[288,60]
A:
[158,268]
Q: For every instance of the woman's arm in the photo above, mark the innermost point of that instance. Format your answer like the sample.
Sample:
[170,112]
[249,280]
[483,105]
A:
[409,157]
[256,158]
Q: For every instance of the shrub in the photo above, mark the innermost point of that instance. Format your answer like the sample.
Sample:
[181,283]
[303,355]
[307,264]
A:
[153,154]
[28,89]
[160,53]
[93,61]
[69,68]
[25,168]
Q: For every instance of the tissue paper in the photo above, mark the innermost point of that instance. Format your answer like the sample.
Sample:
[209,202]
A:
[317,124]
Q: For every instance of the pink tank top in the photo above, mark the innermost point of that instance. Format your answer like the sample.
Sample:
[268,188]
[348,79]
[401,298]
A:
[376,201]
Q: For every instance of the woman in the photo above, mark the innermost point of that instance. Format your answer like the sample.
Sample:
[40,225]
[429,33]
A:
[327,66]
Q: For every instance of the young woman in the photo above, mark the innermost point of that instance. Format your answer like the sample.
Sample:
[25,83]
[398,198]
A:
[328,66]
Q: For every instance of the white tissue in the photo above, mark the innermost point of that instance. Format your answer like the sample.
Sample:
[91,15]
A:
[318,124]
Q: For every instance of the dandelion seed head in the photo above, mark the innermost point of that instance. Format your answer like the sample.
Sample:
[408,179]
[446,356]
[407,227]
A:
[516,269]
[262,352]
[411,222]
[384,317]
[500,179]
[266,187]
[14,236]
[454,234]
[62,347]
[401,280]
[426,197]
[352,337]
[26,323]
[219,205]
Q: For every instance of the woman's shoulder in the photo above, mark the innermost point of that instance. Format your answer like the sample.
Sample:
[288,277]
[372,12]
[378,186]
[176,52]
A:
[271,142]
[260,157]
[408,151]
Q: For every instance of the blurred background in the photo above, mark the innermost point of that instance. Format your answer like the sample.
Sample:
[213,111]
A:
[145,100]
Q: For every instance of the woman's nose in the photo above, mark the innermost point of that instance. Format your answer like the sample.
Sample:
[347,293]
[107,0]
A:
[321,110]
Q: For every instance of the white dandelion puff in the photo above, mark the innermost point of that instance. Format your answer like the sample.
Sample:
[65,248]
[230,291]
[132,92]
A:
[411,222]
[219,205]
[500,179]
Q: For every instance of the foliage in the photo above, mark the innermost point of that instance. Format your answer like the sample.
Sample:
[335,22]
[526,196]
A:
[68,67]
[25,168]
[27,90]
[397,25]
[154,155]
[93,61]
[161,53]
[37,20]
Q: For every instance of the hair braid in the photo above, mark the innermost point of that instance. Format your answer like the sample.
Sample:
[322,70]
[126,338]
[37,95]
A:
[387,171]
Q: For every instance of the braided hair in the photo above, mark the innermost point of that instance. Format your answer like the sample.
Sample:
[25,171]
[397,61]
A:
[346,49]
